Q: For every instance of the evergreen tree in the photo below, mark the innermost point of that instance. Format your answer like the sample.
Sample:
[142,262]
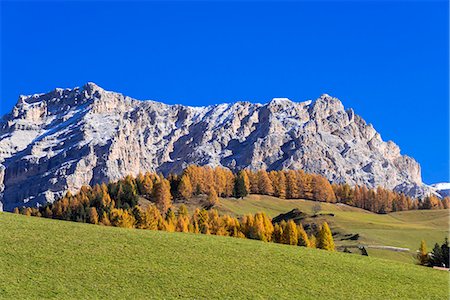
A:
[240,185]
[325,239]
[440,255]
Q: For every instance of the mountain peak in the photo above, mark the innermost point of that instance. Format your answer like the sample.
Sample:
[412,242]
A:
[280,100]
[91,88]
[73,137]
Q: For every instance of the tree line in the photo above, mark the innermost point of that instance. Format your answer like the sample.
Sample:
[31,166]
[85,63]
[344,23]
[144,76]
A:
[220,182]
[116,205]
[293,184]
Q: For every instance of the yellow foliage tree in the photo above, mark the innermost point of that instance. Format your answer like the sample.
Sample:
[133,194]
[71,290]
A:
[302,237]
[105,220]
[312,241]
[325,238]
[93,215]
[122,218]
[162,195]
[322,189]
[264,183]
[185,187]
[292,188]
[290,235]
[212,197]
[422,254]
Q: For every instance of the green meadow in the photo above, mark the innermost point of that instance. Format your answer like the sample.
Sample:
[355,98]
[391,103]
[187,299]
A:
[44,258]
[400,229]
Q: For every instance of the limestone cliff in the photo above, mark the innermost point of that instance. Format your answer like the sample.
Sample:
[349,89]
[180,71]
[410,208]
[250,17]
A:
[67,138]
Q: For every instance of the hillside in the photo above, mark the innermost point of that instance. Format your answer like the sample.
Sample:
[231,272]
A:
[400,229]
[50,258]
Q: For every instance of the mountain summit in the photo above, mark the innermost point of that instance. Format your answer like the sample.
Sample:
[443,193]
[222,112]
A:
[61,140]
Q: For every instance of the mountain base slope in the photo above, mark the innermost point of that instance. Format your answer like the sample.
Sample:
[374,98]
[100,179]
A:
[51,258]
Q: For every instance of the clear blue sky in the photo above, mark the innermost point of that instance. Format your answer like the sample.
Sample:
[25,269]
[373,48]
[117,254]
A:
[387,60]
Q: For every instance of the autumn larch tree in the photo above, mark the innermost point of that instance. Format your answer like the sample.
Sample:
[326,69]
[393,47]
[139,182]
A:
[322,190]
[312,241]
[292,189]
[302,237]
[161,194]
[290,235]
[170,221]
[422,254]
[122,218]
[105,220]
[182,219]
[279,180]
[212,198]
[277,233]
[305,185]
[185,187]
[446,202]
[253,179]
[325,238]
[264,183]
[93,215]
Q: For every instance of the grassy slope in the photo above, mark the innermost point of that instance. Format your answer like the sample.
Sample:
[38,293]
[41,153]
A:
[51,258]
[400,229]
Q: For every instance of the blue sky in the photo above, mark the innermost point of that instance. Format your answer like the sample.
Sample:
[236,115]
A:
[386,60]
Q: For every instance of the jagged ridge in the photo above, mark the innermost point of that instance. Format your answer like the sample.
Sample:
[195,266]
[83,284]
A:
[64,139]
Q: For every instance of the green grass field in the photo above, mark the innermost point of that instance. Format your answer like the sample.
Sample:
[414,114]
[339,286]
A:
[400,229]
[43,258]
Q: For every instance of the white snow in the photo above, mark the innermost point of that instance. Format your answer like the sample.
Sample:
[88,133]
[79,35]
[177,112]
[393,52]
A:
[441,186]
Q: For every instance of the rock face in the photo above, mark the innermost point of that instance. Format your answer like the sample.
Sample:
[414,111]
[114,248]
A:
[59,141]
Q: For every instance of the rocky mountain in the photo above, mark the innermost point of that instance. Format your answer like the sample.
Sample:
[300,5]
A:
[441,189]
[67,138]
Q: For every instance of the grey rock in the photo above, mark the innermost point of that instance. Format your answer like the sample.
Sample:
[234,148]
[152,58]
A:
[59,141]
